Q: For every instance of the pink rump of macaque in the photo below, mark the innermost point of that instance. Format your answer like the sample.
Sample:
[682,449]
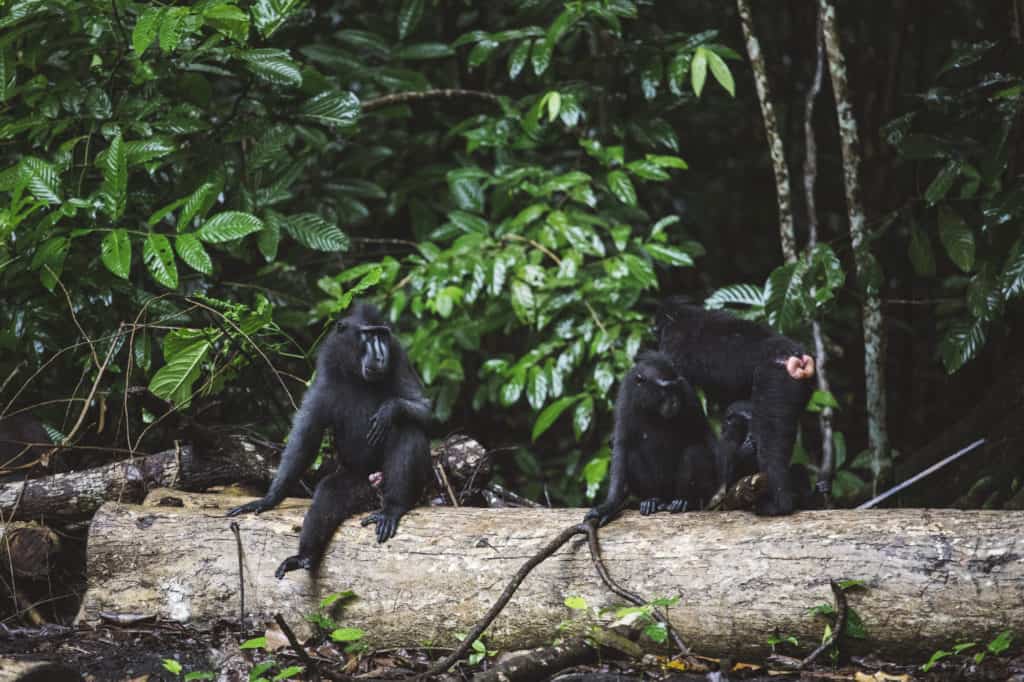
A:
[800,367]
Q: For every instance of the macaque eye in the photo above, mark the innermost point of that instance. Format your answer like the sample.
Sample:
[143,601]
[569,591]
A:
[640,378]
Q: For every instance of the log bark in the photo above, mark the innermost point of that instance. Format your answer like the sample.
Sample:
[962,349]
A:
[80,493]
[932,576]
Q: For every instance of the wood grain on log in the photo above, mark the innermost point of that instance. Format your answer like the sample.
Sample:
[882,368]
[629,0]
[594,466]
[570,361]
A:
[932,576]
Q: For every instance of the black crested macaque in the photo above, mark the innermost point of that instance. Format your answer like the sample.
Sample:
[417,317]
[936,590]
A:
[663,449]
[737,454]
[735,360]
[366,390]
[23,441]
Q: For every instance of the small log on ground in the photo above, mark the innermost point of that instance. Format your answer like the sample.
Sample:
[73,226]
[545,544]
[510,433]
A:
[12,670]
[932,576]
[27,548]
[80,493]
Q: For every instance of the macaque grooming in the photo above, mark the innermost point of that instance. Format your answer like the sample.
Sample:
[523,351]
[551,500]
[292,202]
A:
[369,394]
[737,360]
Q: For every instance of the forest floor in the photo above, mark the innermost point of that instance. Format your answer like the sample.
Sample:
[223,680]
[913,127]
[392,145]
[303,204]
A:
[143,653]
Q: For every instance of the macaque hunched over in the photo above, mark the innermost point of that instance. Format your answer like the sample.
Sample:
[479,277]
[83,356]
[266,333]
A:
[662,448]
[737,360]
[369,394]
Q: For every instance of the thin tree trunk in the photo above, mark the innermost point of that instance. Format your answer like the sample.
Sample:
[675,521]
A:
[771,128]
[866,264]
[810,176]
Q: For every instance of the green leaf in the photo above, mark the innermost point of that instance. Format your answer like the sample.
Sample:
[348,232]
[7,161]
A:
[956,238]
[622,187]
[1012,278]
[146,29]
[420,51]
[347,635]
[365,40]
[116,253]
[577,603]
[650,79]
[142,351]
[269,238]
[1001,643]
[961,343]
[699,70]
[481,52]
[229,20]
[254,643]
[669,254]
[159,259]
[332,108]
[172,26]
[229,225]
[657,632]
[42,180]
[647,170]
[115,175]
[272,65]
[537,387]
[313,232]
[172,666]
[192,252]
[583,416]
[922,258]
[290,671]
[517,60]
[409,16]
[269,15]
[523,301]
[541,56]
[174,382]
[939,187]
[513,388]
[666,161]
[720,70]
[551,414]
[741,294]
[198,203]
[820,400]
[198,675]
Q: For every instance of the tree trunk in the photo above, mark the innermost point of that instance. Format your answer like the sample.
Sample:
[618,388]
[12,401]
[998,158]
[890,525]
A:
[932,576]
[80,493]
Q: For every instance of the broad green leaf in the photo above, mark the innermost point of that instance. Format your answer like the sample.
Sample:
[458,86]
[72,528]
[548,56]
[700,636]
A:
[622,187]
[961,343]
[192,252]
[42,180]
[699,70]
[551,414]
[49,260]
[409,16]
[939,187]
[647,170]
[229,20]
[650,78]
[116,253]
[481,52]
[537,387]
[172,666]
[720,70]
[200,675]
[313,232]
[174,380]
[512,388]
[146,28]
[159,259]
[287,673]
[741,294]
[143,351]
[1012,279]
[668,254]
[523,301]
[922,258]
[554,102]
[517,60]
[229,225]
[198,203]
[957,238]
[541,56]
[577,603]
[269,239]
[666,161]
[269,15]
[347,635]
[419,51]
[254,643]
[583,416]
[332,108]
[172,27]
[365,40]
[115,175]
[272,65]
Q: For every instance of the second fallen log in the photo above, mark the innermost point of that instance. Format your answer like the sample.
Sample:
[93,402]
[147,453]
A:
[931,577]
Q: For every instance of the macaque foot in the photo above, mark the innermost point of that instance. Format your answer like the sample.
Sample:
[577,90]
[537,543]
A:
[674,507]
[602,515]
[256,506]
[649,506]
[386,523]
[293,563]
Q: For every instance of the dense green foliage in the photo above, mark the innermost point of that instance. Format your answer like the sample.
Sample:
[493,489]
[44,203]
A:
[197,188]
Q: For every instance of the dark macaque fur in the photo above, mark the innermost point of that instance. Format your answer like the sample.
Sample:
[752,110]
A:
[738,360]
[23,440]
[368,393]
[663,449]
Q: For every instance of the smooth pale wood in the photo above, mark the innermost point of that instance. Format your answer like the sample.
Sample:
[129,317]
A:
[933,576]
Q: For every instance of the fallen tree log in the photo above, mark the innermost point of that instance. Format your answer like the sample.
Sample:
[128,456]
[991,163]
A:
[932,577]
[80,493]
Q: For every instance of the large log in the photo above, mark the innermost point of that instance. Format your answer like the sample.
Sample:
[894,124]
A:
[933,576]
